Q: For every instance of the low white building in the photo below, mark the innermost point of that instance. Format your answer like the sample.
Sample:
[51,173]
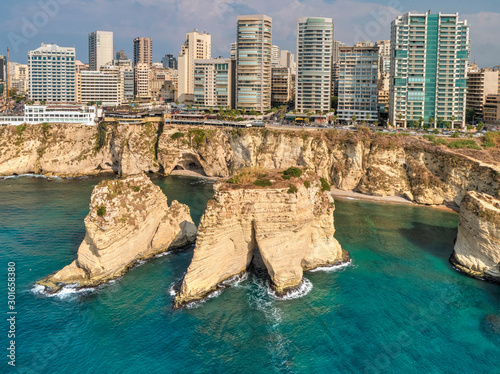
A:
[38,114]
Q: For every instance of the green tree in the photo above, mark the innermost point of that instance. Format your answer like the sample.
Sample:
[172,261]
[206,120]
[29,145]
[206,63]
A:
[354,118]
[335,103]
[453,118]
[480,126]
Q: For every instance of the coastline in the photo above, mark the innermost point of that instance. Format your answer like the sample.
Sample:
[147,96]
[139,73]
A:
[189,173]
[351,195]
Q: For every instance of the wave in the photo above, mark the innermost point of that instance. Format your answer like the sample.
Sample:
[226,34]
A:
[29,176]
[332,268]
[302,290]
[198,303]
[66,292]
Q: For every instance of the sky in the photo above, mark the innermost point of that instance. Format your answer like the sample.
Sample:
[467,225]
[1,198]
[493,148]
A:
[25,24]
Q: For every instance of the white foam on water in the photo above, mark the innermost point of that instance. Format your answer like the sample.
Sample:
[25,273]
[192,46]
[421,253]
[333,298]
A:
[302,290]
[332,268]
[163,254]
[171,289]
[235,280]
[198,303]
[66,292]
[30,176]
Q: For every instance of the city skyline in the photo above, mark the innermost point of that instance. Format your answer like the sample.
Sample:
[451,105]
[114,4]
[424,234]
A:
[65,23]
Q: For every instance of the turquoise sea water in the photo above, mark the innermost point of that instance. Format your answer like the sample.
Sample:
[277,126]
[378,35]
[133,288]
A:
[400,308]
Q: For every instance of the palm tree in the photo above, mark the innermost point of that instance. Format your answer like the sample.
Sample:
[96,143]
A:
[431,121]
[422,119]
[453,118]
[354,118]
[335,119]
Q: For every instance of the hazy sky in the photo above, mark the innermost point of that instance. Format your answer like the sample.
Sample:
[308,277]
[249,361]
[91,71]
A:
[27,23]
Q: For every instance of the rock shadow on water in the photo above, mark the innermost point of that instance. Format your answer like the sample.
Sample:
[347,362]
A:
[435,240]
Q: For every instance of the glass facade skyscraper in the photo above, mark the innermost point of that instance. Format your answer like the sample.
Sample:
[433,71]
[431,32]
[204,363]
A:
[429,57]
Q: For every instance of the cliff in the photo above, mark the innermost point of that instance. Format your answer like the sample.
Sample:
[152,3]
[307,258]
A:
[477,248]
[129,220]
[287,220]
[373,164]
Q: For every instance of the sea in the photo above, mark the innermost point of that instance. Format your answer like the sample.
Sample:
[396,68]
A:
[399,307]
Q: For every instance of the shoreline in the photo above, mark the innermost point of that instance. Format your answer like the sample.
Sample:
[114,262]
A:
[398,200]
[189,173]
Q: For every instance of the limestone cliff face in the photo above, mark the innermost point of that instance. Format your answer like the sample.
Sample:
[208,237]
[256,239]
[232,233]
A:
[372,164]
[73,150]
[380,165]
[129,220]
[477,249]
[290,223]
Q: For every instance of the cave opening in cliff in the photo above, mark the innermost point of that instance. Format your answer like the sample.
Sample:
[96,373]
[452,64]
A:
[190,163]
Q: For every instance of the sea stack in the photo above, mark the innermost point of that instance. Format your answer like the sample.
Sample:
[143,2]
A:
[477,249]
[129,220]
[286,217]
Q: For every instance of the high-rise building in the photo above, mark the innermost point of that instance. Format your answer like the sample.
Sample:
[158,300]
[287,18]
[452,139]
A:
[287,60]
[491,109]
[19,78]
[197,46]
[233,51]
[3,64]
[358,83]
[385,55]
[275,56]
[142,71]
[52,74]
[95,86]
[314,64]
[214,83]
[143,51]
[253,63]
[169,62]
[121,55]
[100,49]
[429,57]
[336,45]
[480,84]
[281,89]
[125,73]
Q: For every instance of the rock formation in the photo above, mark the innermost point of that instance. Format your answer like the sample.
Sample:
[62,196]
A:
[477,249]
[289,221]
[129,220]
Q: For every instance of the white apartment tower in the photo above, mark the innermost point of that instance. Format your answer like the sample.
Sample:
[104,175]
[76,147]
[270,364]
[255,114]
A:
[100,49]
[429,58]
[52,74]
[197,46]
[253,62]
[314,63]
